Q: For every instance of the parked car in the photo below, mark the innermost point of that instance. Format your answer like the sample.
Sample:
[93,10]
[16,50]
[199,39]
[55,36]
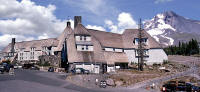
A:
[80,71]
[27,66]
[86,71]
[2,69]
[15,67]
[103,84]
[195,88]
[169,87]
[51,69]
[7,67]
[35,68]
[181,87]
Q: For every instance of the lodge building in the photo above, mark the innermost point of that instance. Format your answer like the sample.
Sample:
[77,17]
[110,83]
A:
[94,50]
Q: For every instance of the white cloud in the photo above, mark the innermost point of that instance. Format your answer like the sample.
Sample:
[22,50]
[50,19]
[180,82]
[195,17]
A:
[162,1]
[97,7]
[22,19]
[100,28]
[44,36]
[6,38]
[125,21]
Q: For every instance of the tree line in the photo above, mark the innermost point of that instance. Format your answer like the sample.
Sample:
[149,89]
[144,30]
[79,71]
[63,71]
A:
[187,48]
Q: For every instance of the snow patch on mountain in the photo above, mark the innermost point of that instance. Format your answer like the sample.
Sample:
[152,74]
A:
[171,41]
[156,38]
[158,27]
[155,31]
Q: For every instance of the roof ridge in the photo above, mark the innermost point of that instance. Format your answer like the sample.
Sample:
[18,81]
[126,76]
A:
[104,31]
[37,40]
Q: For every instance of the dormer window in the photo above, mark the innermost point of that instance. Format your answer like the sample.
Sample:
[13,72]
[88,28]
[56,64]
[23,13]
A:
[145,52]
[81,47]
[83,38]
[32,48]
[112,49]
[144,40]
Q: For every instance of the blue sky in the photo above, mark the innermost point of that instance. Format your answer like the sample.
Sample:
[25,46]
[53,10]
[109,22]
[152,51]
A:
[40,19]
[144,9]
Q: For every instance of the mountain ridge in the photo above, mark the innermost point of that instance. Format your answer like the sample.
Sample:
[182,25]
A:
[169,28]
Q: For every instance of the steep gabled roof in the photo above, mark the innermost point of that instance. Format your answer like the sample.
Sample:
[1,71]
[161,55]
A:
[38,44]
[108,39]
[81,30]
[129,35]
[65,34]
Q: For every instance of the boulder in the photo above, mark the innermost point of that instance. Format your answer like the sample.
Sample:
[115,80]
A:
[119,83]
[110,82]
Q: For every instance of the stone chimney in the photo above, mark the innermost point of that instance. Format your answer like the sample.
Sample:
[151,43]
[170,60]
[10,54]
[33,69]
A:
[77,20]
[13,45]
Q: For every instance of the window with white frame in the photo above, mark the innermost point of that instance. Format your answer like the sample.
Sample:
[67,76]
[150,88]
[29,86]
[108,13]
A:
[83,38]
[109,49]
[112,49]
[145,52]
[32,53]
[84,47]
[144,40]
[118,50]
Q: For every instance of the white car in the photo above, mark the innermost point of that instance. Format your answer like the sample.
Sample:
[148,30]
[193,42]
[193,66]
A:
[15,67]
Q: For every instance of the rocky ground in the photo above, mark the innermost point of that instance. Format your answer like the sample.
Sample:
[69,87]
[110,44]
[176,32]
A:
[130,78]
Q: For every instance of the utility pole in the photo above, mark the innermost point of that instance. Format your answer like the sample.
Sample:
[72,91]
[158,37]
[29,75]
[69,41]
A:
[140,47]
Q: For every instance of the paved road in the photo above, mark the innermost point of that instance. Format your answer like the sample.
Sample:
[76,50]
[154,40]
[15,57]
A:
[38,81]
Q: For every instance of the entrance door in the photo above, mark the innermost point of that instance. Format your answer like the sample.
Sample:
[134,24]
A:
[104,66]
[96,69]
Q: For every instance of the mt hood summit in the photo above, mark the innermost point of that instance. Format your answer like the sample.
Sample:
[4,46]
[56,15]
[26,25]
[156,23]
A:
[168,28]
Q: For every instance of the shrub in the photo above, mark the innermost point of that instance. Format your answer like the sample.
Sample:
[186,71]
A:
[6,61]
[165,62]
[156,64]
[45,64]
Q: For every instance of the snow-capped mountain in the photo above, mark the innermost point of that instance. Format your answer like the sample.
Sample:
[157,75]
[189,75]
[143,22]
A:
[168,28]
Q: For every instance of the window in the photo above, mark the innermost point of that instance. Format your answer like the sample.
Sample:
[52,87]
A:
[145,52]
[136,40]
[109,49]
[84,38]
[113,49]
[118,50]
[84,47]
[80,38]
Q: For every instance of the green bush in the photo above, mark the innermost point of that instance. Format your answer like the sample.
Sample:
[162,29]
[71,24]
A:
[156,64]
[165,62]
[45,64]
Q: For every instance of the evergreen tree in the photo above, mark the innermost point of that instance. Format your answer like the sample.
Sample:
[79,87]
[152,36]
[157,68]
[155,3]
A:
[189,48]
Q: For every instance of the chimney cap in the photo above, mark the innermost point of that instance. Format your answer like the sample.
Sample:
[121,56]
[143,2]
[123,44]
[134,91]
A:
[68,24]
[77,20]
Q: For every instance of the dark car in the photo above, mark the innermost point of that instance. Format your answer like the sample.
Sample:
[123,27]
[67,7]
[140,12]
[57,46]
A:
[7,67]
[34,68]
[103,84]
[181,86]
[188,87]
[195,88]
[27,66]
[169,87]
[2,69]
[51,69]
